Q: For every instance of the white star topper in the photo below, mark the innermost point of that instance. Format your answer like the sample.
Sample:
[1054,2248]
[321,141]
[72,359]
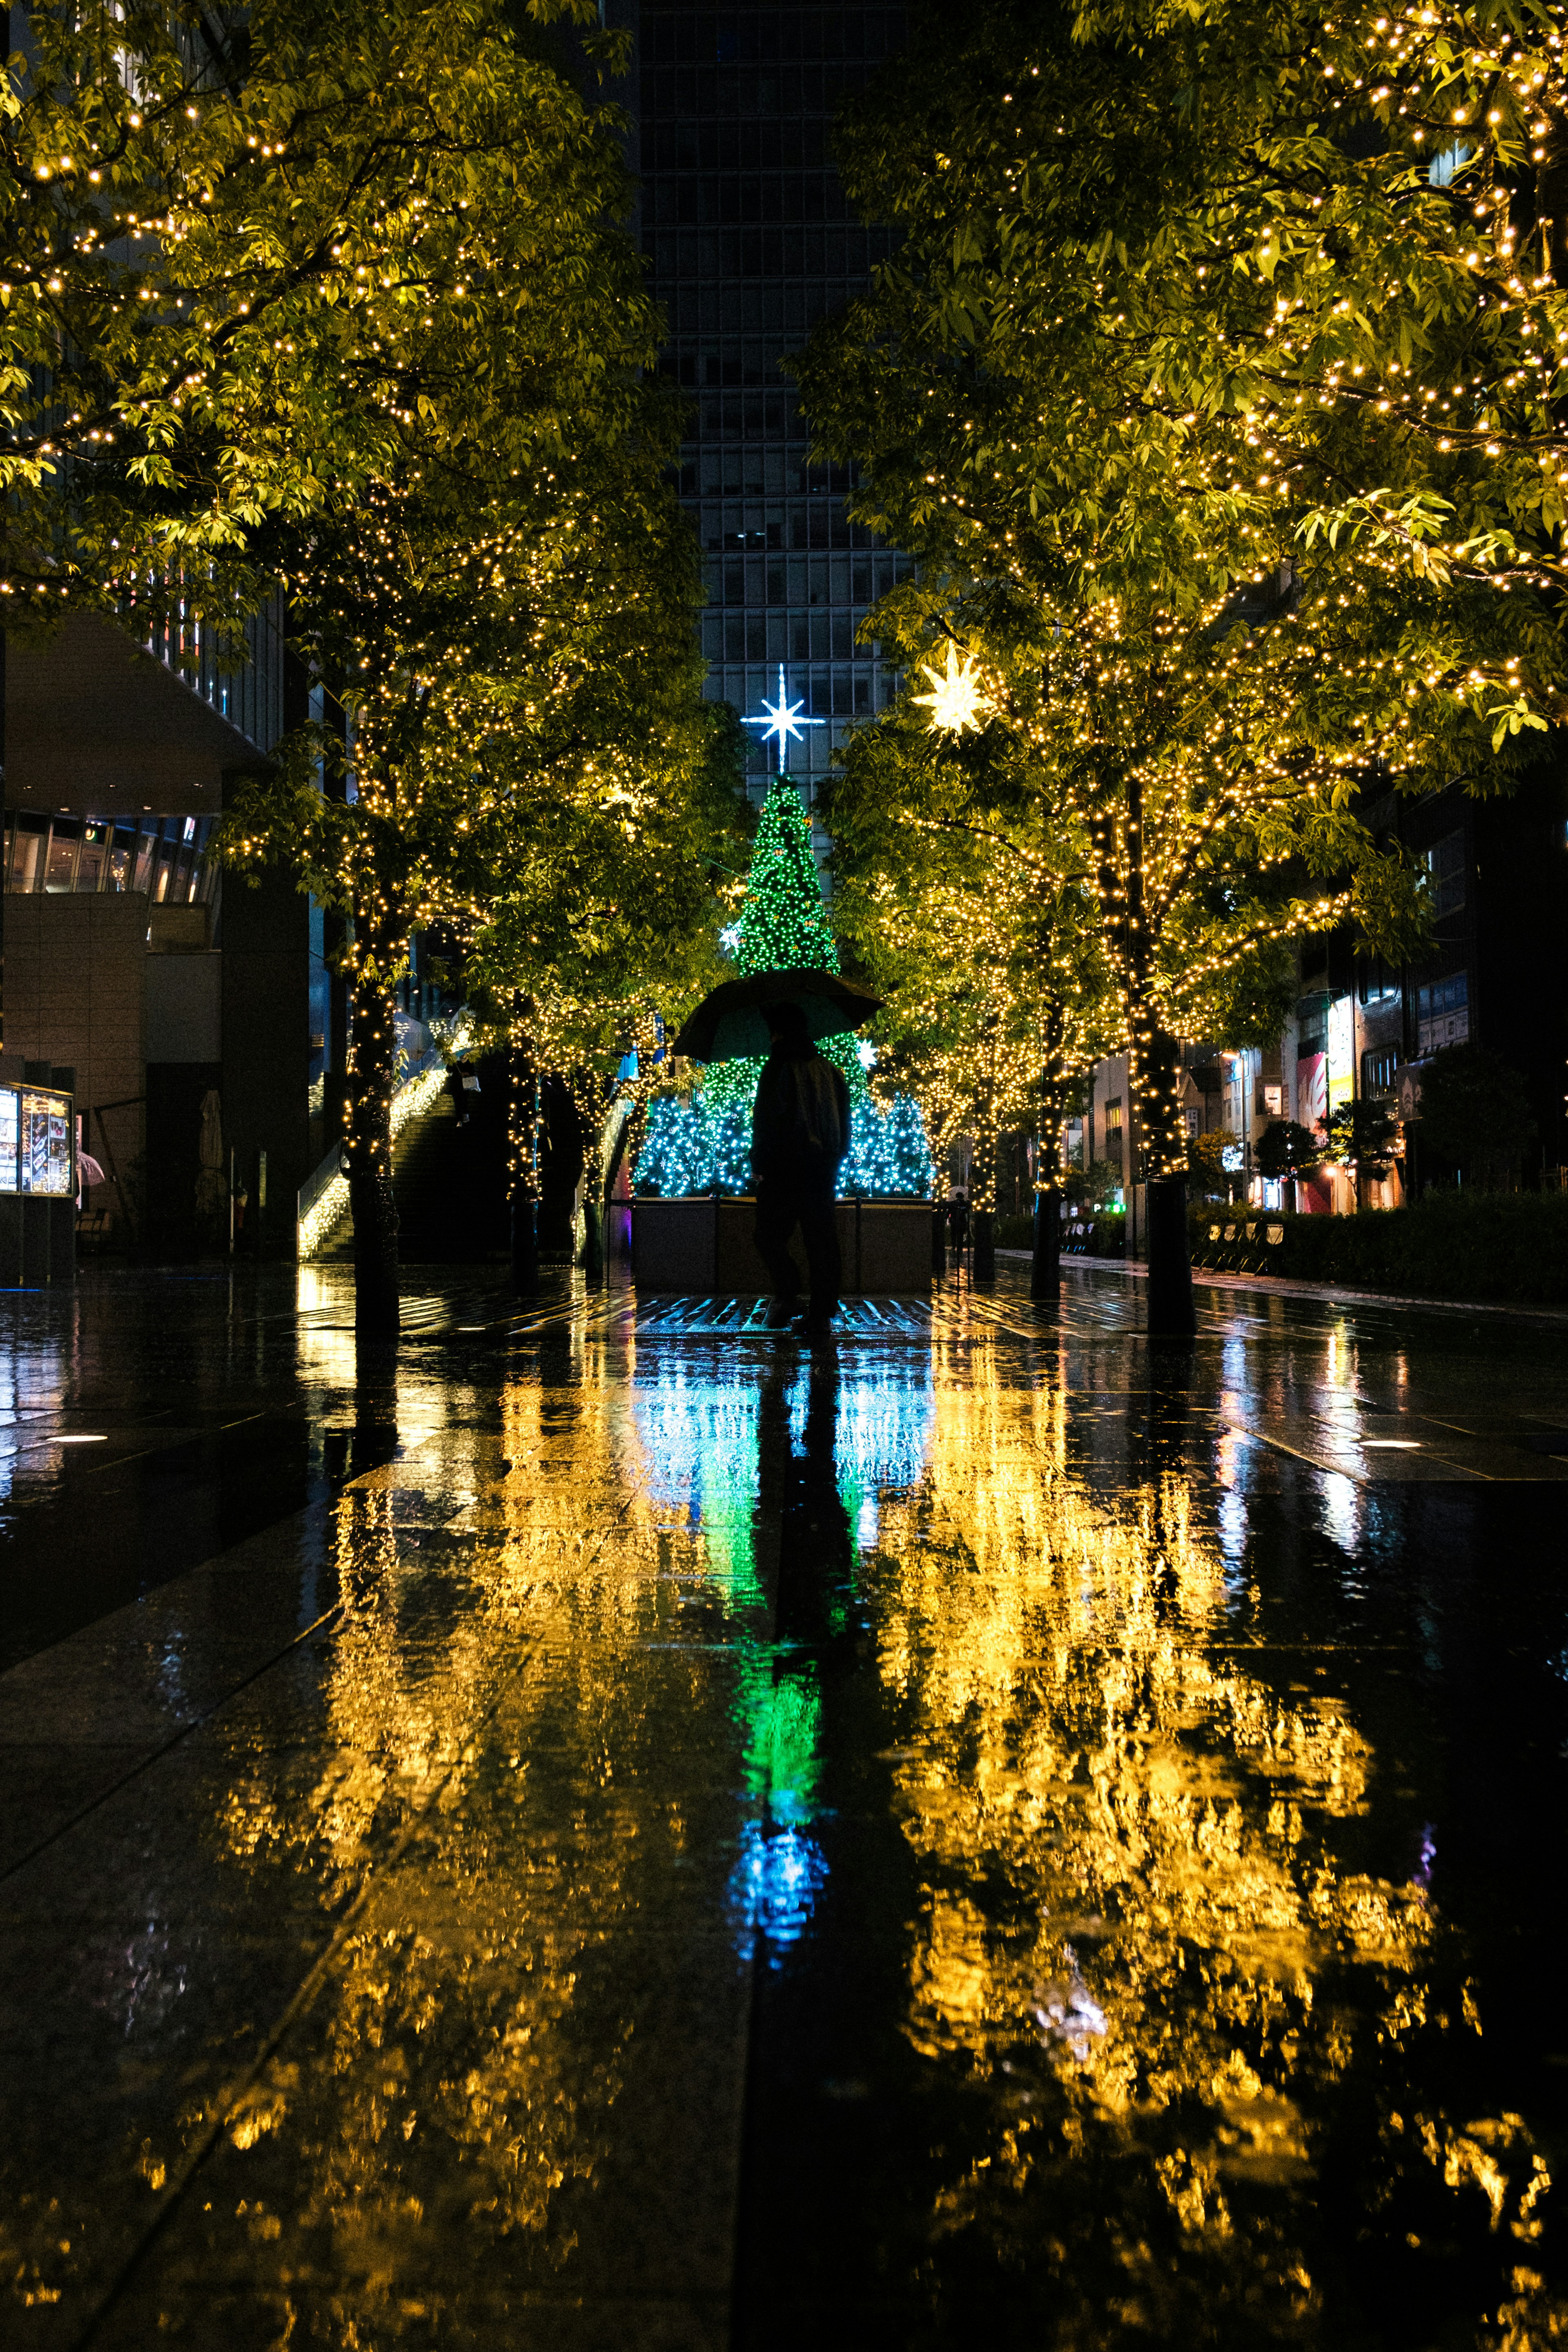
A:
[783,719]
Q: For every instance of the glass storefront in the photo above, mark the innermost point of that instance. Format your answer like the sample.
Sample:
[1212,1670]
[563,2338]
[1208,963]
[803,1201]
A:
[162,856]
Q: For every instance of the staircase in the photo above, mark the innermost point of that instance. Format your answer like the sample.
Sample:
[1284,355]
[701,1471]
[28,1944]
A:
[450,1183]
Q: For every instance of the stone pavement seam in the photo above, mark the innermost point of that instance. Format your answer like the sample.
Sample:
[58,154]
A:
[153,1754]
[1277,1285]
[228,2100]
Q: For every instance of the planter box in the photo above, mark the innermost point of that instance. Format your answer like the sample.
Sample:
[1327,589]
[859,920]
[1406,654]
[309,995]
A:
[704,1245]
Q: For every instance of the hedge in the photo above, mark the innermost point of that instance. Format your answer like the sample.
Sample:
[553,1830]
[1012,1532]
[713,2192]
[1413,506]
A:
[1086,1234]
[1480,1246]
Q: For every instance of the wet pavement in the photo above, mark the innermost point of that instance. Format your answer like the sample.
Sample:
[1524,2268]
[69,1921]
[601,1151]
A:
[613,1828]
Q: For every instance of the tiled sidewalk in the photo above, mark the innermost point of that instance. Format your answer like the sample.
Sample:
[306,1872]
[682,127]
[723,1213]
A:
[658,1836]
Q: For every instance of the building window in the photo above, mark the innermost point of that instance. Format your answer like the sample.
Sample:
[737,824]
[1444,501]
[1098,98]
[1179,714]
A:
[1444,865]
[1443,1013]
[1376,982]
[73,856]
[1377,1067]
[1311,1027]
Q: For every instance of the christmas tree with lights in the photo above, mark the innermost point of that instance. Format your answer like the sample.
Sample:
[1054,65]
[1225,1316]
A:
[706,1144]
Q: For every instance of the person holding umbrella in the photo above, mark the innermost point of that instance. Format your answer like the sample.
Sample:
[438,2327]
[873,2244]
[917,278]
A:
[800,1121]
[800,1133]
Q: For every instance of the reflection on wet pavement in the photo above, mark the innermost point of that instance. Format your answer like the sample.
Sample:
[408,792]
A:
[607,1827]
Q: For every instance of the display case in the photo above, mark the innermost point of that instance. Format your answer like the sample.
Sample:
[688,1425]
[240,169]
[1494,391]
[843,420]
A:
[37,1185]
[41,1124]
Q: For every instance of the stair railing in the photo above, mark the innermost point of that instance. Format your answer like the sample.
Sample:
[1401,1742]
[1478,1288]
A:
[323,1200]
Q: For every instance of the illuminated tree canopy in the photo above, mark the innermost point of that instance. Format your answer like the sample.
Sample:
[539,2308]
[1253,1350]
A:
[979,933]
[1225,430]
[250,261]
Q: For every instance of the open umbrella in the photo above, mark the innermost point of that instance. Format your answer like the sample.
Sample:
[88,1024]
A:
[730,1025]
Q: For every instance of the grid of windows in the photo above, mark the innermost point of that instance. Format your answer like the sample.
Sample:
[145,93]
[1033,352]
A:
[1443,997]
[750,241]
[248,694]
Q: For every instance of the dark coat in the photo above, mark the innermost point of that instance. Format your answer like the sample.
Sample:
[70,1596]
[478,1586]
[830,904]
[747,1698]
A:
[801,1117]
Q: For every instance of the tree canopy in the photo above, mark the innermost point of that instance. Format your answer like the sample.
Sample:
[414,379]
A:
[1227,443]
[251,262]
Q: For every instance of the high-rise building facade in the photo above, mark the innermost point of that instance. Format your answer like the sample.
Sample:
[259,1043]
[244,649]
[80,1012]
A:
[749,241]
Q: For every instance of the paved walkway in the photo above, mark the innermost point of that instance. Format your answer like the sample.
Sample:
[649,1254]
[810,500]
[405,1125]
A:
[612,1829]
[1283,1286]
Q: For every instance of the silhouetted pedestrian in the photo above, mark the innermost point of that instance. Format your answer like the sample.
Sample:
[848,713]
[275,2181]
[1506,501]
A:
[800,1133]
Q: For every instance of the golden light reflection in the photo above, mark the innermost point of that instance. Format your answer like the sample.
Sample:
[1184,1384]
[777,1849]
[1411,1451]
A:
[1133,1902]
[554,1715]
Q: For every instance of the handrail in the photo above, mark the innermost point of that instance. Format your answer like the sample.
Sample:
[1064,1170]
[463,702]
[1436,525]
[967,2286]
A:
[322,1199]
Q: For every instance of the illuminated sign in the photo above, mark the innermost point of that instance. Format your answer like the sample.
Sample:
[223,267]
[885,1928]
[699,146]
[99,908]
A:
[1341,1050]
[36,1154]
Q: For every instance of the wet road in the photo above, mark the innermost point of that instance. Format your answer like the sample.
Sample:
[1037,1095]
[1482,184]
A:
[614,1830]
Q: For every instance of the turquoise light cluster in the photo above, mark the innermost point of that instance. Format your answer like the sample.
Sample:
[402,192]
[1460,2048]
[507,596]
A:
[704,1147]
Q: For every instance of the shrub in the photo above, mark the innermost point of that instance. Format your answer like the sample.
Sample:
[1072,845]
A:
[1510,1246]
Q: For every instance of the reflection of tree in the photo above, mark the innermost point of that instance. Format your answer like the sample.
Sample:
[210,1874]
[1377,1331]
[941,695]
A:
[722,1449]
[504,1733]
[498,1742]
[1219,2050]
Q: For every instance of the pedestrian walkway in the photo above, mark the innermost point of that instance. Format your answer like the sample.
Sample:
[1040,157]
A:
[612,1828]
[1280,1286]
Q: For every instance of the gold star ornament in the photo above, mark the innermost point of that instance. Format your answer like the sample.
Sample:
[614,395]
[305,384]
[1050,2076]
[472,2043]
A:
[957,699]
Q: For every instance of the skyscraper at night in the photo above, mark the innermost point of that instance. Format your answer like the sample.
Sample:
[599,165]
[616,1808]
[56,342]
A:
[751,240]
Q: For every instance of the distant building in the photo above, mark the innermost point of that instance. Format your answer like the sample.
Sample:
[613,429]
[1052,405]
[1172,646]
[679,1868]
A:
[126,960]
[131,961]
[1495,976]
[749,242]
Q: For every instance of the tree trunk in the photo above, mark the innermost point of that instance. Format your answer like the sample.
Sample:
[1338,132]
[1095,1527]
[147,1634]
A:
[1046,1263]
[1154,1063]
[593,1236]
[939,1239]
[1154,1072]
[371,1076]
[982,1202]
[523,1127]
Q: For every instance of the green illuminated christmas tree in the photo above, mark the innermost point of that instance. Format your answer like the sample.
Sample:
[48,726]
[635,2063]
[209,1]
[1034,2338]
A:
[784,924]
[783,927]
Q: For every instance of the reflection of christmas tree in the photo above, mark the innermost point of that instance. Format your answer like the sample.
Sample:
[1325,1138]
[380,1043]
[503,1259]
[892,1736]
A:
[692,1148]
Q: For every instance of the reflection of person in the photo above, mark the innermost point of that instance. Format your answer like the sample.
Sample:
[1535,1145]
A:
[798,1499]
[800,1133]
